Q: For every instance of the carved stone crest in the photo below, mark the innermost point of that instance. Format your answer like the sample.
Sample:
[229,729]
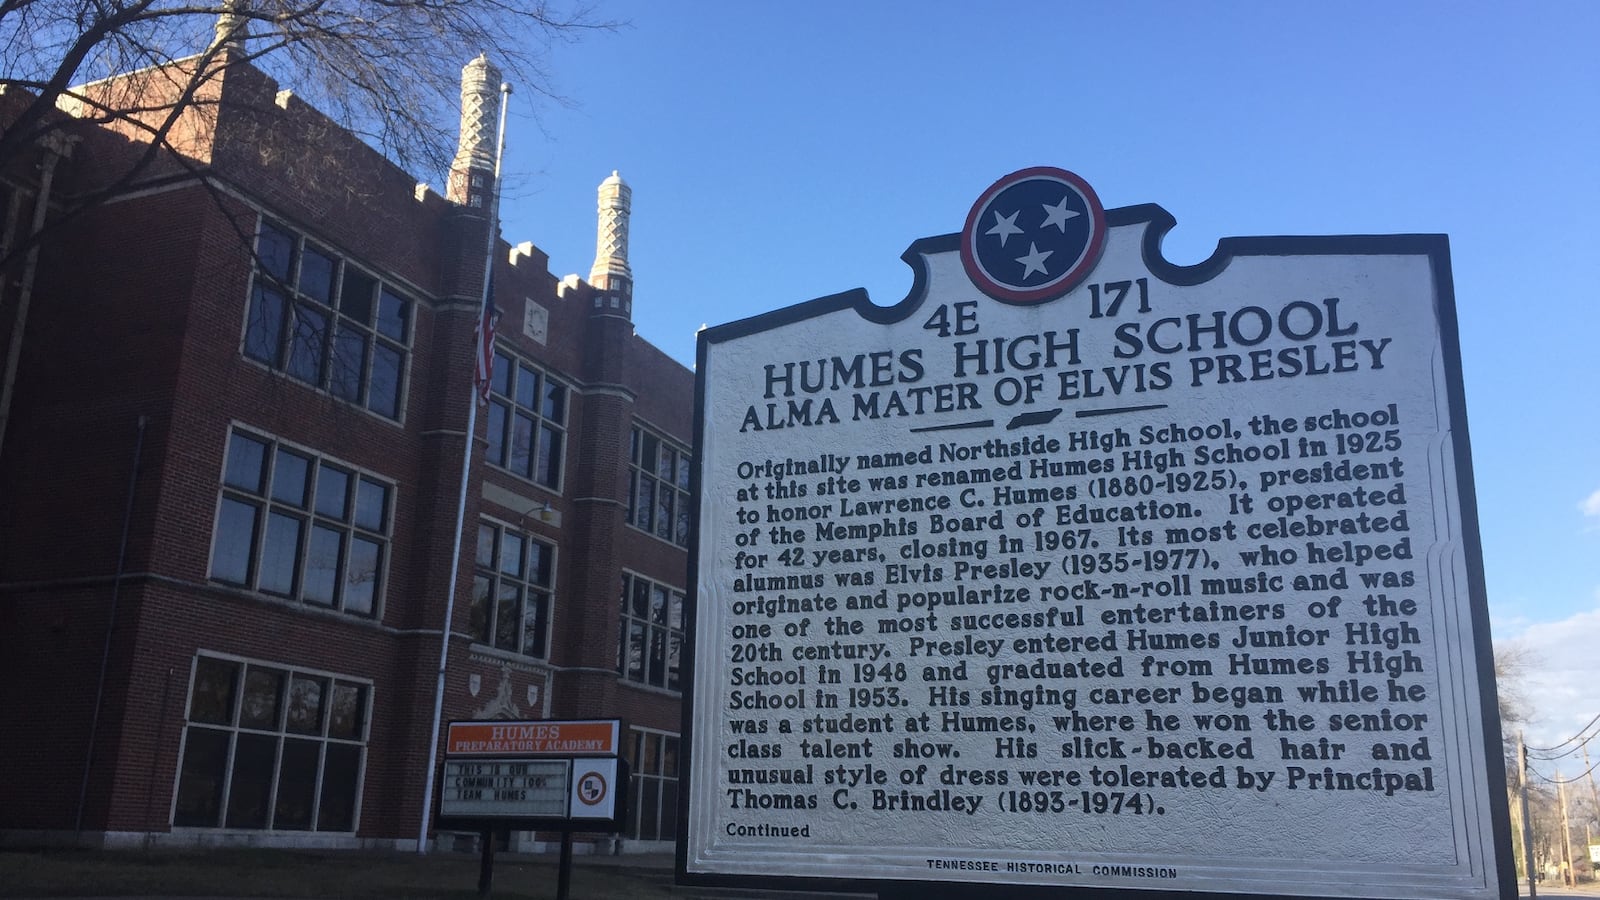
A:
[500,706]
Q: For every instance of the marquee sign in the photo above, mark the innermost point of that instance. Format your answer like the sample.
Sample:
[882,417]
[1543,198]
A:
[532,774]
[1078,571]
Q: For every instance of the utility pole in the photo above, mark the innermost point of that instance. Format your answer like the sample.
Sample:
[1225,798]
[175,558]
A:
[1527,824]
[1594,795]
[1566,830]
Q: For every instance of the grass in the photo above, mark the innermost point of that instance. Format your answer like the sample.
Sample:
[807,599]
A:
[310,875]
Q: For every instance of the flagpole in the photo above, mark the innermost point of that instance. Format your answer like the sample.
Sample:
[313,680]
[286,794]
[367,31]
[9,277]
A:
[461,501]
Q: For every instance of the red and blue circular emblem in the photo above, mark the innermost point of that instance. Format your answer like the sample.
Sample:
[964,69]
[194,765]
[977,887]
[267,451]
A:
[1033,235]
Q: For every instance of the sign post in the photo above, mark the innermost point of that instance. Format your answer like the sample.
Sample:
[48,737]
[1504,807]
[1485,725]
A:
[1078,571]
[559,775]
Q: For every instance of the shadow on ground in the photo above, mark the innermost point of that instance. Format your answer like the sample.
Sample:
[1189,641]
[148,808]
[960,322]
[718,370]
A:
[316,875]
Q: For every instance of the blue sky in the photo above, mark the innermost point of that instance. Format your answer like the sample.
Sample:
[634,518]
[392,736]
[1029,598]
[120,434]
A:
[781,152]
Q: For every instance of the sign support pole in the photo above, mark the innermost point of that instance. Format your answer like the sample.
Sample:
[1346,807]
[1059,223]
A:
[564,872]
[486,863]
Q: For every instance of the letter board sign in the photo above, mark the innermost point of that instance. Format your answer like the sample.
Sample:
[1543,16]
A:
[533,774]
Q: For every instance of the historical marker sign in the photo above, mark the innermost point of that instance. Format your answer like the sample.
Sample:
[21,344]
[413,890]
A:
[1080,569]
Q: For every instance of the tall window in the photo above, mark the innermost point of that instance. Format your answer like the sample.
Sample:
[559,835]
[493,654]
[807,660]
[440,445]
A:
[271,747]
[300,526]
[653,812]
[511,591]
[651,644]
[6,221]
[527,421]
[658,487]
[321,320]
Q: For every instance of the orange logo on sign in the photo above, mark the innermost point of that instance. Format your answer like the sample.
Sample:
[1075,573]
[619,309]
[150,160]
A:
[592,788]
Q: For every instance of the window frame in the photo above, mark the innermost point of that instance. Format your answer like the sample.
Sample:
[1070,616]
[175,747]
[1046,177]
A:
[647,517]
[649,629]
[10,209]
[653,781]
[271,338]
[281,732]
[312,518]
[505,387]
[496,578]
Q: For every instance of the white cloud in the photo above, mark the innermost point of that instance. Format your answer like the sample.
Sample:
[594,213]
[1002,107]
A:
[1561,682]
[1591,505]
[1504,621]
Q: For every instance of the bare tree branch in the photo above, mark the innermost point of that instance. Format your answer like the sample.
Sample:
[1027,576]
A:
[386,70]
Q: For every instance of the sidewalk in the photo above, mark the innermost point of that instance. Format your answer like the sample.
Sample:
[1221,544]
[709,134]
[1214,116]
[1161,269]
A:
[310,875]
[1555,890]
[662,866]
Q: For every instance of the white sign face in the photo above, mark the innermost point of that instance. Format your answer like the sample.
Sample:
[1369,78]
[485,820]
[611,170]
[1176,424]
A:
[1084,570]
[509,788]
[594,788]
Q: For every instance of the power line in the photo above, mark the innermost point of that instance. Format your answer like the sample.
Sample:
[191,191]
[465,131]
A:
[1577,741]
[1547,779]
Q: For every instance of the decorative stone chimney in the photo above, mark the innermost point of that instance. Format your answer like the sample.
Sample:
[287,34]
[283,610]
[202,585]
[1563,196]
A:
[472,172]
[231,26]
[611,277]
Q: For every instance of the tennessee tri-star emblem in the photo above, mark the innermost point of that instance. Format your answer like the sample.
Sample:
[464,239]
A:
[1033,235]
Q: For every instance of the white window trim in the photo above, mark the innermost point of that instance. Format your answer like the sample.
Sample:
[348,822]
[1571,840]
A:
[478,644]
[183,746]
[379,603]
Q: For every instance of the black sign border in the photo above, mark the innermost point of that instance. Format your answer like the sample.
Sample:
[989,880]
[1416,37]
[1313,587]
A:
[1158,222]
[613,825]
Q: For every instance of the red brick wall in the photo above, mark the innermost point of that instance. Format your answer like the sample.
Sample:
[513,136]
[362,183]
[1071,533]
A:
[140,311]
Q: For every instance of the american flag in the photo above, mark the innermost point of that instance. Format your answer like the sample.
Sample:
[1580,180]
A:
[483,340]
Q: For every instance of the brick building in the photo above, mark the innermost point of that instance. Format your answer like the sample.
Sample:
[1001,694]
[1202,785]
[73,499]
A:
[230,461]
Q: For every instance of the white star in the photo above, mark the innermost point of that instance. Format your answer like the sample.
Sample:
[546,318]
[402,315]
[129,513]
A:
[1005,226]
[1034,261]
[1058,215]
